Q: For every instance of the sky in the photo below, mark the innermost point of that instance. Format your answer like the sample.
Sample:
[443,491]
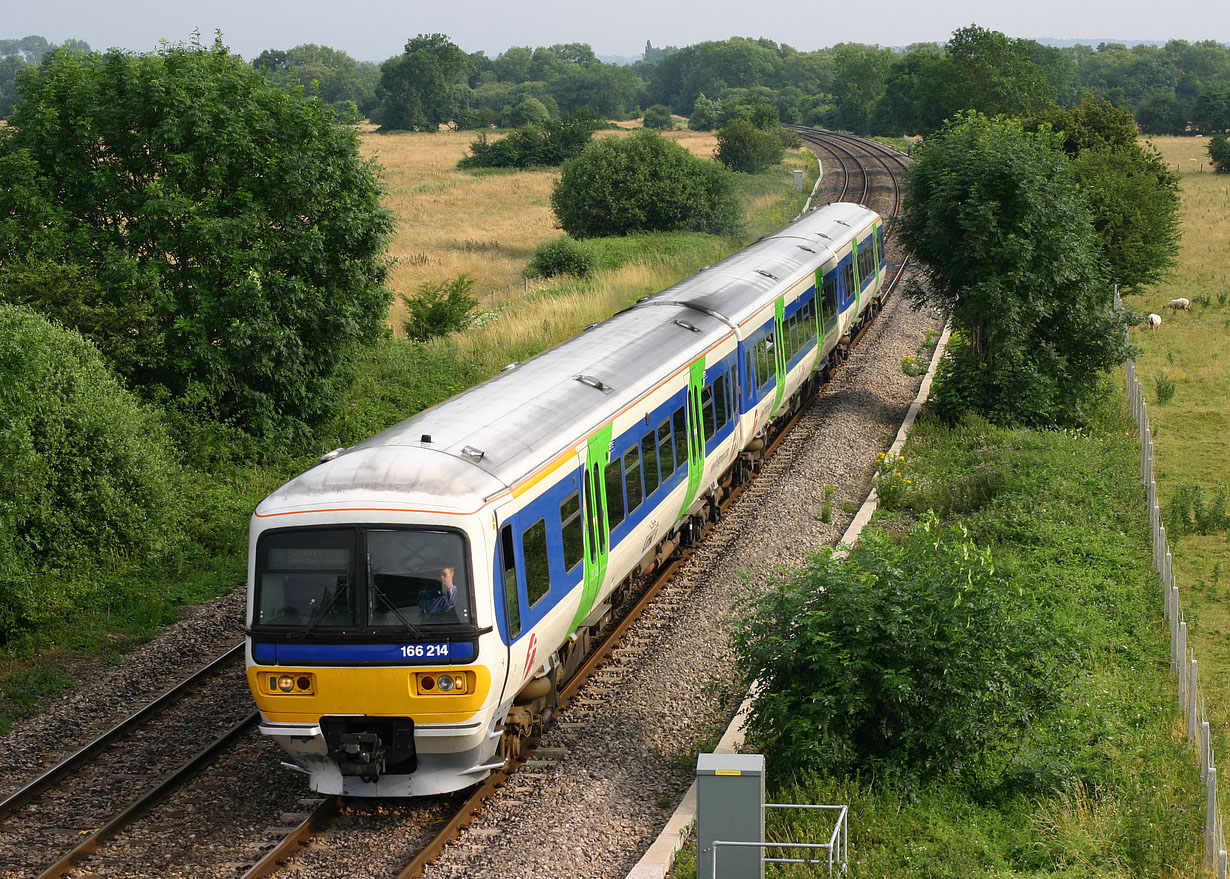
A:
[373,30]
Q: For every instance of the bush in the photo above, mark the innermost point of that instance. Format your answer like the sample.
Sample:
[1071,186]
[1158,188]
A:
[1219,153]
[89,474]
[659,116]
[563,256]
[550,143]
[744,147]
[907,661]
[644,183]
[440,308]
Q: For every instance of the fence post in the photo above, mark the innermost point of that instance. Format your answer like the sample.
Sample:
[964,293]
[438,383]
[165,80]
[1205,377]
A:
[1205,756]
[1180,661]
[1193,691]
[1210,819]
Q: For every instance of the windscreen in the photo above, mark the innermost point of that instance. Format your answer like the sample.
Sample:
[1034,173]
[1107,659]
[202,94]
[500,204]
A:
[305,579]
[417,578]
[382,578]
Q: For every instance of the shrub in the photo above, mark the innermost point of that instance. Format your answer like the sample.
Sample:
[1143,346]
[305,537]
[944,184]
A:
[549,143]
[563,256]
[89,474]
[1165,388]
[659,116]
[644,183]
[744,147]
[1219,153]
[908,660]
[440,308]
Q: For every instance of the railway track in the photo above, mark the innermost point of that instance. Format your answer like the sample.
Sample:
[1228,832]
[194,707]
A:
[106,785]
[606,666]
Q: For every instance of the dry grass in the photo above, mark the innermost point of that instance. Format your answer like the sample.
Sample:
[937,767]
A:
[1192,431]
[452,222]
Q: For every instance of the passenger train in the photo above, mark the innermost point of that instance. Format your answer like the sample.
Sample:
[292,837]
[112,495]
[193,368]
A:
[414,600]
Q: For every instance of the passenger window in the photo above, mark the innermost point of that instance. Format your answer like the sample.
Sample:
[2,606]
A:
[720,400]
[649,460]
[681,437]
[632,476]
[829,311]
[614,494]
[753,380]
[706,408]
[666,455]
[572,529]
[537,569]
[763,363]
[512,608]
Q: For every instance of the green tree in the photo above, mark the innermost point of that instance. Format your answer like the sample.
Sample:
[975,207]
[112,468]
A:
[89,473]
[860,83]
[659,117]
[744,147]
[440,308]
[416,87]
[218,238]
[1219,153]
[705,114]
[644,183]
[909,660]
[1008,252]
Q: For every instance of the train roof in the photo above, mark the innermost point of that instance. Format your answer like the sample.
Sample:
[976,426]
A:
[474,446]
[488,438]
[735,288]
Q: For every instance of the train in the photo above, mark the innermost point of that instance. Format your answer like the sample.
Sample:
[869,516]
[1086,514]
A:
[415,600]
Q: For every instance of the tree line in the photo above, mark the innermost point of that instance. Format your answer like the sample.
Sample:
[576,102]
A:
[1170,89]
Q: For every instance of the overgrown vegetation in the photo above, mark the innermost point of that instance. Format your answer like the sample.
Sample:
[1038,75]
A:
[548,143]
[744,147]
[440,308]
[562,256]
[1086,777]
[1219,153]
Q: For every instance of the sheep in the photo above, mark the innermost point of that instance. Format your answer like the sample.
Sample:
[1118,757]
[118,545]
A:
[1181,303]
[1155,321]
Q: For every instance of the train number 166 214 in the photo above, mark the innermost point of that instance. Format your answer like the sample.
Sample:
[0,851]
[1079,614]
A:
[425,651]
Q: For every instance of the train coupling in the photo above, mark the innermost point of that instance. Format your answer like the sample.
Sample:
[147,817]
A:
[366,748]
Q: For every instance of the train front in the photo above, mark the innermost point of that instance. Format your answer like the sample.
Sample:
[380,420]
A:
[370,648]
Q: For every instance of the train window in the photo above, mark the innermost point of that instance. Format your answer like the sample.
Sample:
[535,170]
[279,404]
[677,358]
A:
[720,400]
[614,494]
[416,577]
[666,455]
[632,477]
[829,306]
[649,460]
[679,420]
[537,569]
[572,529]
[847,277]
[764,366]
[706,408]
[512,608]
[753,381]
[303,578]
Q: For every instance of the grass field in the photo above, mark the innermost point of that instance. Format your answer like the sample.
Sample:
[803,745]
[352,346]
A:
[1192,431]
[482,224]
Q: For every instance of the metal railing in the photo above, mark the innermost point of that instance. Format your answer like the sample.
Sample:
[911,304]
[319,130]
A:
[1183,662]
[837,846]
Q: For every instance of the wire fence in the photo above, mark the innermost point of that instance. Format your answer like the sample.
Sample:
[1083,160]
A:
[1183,662]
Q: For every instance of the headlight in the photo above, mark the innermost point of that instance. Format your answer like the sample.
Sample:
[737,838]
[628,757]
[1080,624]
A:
[286,683]
[445,683]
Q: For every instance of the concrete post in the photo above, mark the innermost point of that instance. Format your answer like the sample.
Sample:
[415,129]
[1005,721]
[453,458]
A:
[1210,819]
[1193,692]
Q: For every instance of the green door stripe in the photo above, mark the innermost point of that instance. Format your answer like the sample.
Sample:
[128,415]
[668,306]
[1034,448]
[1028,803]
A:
[696,434]
[598,530]
[858,282]
[779,352]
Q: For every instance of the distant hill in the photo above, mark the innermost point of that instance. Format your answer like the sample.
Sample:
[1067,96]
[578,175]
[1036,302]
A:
[1091,41]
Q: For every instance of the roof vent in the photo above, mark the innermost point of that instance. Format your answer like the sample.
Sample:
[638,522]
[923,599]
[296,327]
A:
[472,453]
[805,247]
[589,327]
[512,365]
[329,456]
[596,384]
[687,326]
[769,275]
[842,223]
[825,237]
[425,438]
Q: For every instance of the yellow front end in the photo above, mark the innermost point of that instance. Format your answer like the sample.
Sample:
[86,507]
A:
[413,692]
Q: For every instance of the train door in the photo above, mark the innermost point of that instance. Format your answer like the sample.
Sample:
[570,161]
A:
[597,540]
[696,434]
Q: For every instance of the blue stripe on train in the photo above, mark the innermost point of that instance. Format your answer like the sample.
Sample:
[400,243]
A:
[432,653]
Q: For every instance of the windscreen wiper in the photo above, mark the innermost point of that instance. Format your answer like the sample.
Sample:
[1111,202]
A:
[375,590]
[318,615]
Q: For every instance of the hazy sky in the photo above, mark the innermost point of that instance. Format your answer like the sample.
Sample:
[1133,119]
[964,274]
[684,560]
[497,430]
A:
[372,30]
